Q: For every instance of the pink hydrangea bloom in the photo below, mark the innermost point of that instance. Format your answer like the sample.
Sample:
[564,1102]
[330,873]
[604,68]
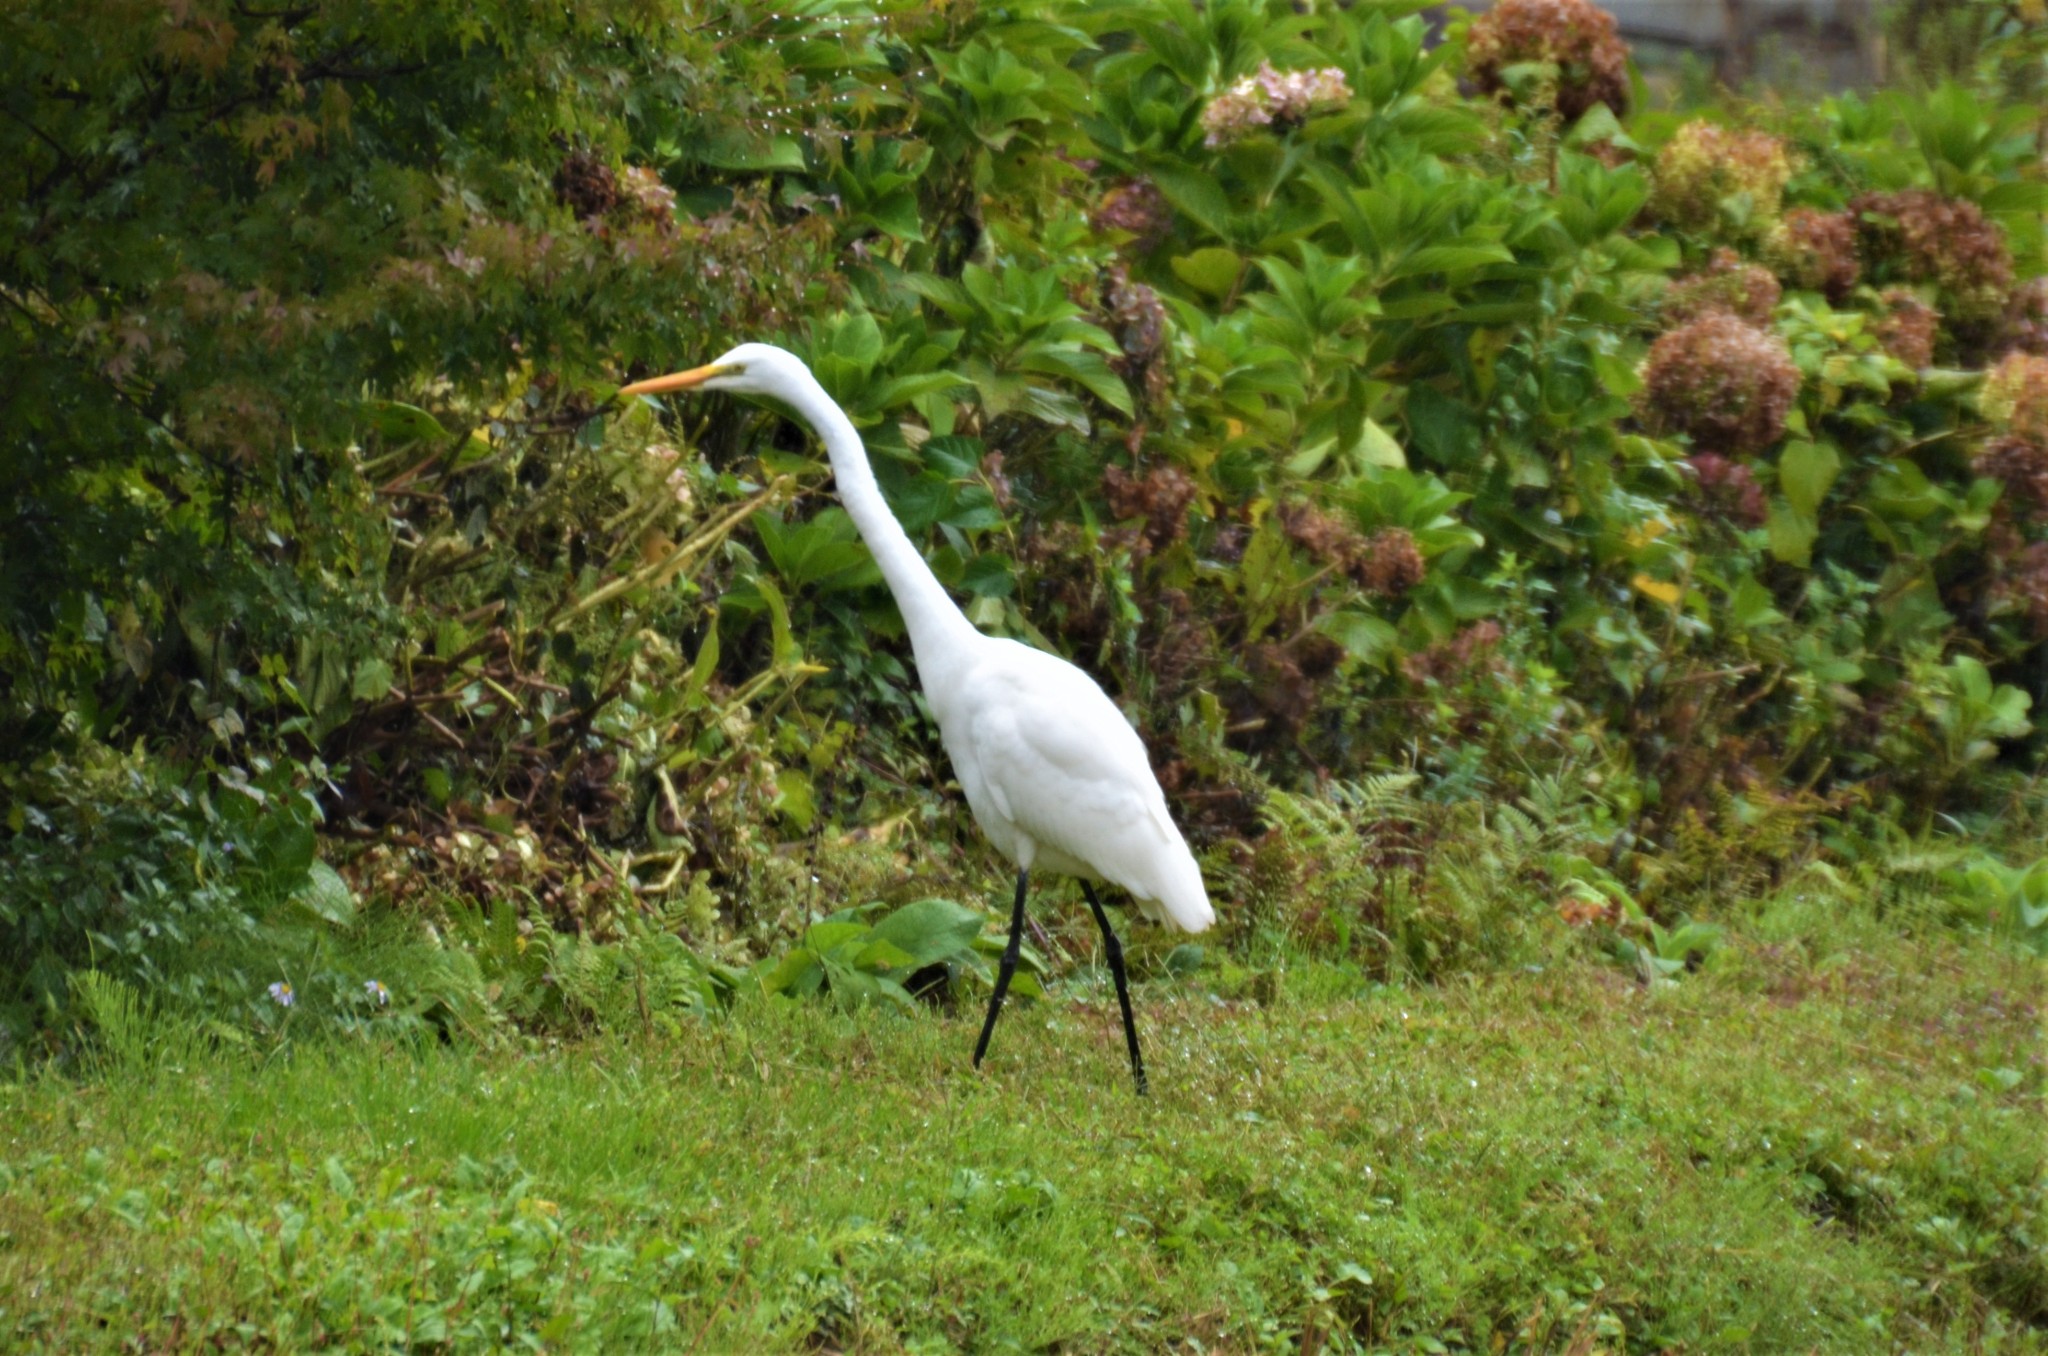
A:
[1271,97]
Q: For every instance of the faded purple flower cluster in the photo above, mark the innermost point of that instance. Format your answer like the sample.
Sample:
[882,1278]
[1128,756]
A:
[1136,206]
[1949,242]
[2026,318]
[1907,327]
[1726,384]
[1580,39]
[1271,98]
[1727,283]
[1816,250]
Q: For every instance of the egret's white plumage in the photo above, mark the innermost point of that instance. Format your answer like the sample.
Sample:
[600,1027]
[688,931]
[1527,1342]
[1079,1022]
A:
[1055,775]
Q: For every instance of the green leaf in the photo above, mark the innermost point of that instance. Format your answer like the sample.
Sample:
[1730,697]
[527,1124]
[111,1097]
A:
[794,799]
[1376,447]
[1367,638]
[1212,272]
[1791,534]
[1084,367]
[930,930]
[783,645]
[796,974]
[834,933]
[706,662]
[880,953]
[1197,194]
[1441,428]
[1447,259]
[1751,606]
[373,678]
[326,895]
[734,151]
[2017,198]
[1597,123]
[1805,471]
[1618,377]
[398,422]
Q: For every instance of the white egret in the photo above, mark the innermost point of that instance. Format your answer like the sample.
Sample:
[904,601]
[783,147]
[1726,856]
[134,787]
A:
[1055,775]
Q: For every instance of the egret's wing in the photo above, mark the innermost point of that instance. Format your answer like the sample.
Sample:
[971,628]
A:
[1074,775]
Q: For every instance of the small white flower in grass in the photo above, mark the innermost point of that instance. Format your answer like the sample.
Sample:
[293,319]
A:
[281,993]
[378,993]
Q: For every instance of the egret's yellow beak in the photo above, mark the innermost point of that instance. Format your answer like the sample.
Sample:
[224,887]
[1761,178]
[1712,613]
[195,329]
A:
[679,381]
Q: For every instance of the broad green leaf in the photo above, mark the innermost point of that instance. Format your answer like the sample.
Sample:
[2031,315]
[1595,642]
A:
[796,974]
[1597,123]
[398,422]
[1441,428]
[373,678]
[832,933]
[930,930]
[1751,606]
[1805,471]
[326,895]
[1791,534]
[733,151]
[879,953]
[1212,272]
[1196,193]
[1447,259]
[1376,447]
[1367,638]
[794,799]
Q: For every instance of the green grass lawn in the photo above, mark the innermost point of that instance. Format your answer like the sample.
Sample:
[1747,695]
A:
[1779,1154]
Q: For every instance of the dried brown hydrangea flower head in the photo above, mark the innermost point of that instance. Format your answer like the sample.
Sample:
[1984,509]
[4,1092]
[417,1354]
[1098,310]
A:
[1907,328]
[2023,583]
[1816,250]
[2015,395]
[1386,564]
[1577,37]
[2021,466]
[1726,384]
[1160,497]
[1728,283]
[2026,319]
[1469,654]
[585,184]
[1925,237]
[1137,319]
[1138,207]
[1392,563]
[1705,164]
[1730,488]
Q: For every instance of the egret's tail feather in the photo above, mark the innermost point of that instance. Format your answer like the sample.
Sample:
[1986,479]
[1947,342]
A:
[1179,897]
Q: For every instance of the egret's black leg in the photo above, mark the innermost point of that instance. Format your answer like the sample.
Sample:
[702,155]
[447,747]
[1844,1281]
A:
[1114,950]
[1004,970]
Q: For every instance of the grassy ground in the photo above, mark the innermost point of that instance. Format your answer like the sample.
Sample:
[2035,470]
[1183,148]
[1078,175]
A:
[1785,1153]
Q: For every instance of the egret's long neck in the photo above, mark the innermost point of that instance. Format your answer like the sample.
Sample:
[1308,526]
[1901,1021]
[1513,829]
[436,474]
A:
[937,627]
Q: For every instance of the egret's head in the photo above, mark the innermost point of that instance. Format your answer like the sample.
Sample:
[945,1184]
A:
[750,369]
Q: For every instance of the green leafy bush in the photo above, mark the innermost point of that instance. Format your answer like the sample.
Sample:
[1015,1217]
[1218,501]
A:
[1337,419]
